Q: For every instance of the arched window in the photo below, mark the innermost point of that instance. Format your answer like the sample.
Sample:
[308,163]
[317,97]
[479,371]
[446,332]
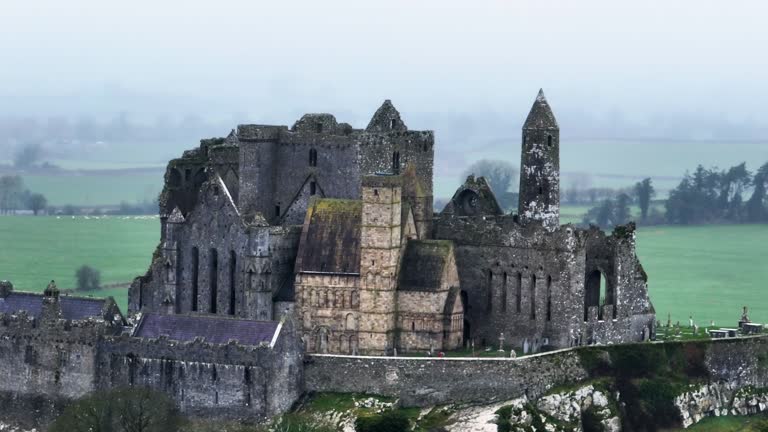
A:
[195,276]
[232,282]
[312,157]
[519,293]
[549,140]
[396,162]
[213,278]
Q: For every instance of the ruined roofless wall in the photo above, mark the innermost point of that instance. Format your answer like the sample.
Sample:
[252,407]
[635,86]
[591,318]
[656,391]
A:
[47,365]
[435,381]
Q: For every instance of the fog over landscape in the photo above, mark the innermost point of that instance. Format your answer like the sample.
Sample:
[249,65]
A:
[677,72]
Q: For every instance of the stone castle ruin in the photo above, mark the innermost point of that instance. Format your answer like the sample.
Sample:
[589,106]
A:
[322,238]
[334,226]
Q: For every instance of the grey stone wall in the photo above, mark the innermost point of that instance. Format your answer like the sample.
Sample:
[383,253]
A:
[435,381]
[529,282]
[45,364]
[432,381]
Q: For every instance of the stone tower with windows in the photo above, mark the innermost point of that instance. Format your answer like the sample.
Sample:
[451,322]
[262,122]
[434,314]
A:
[540,166]
[379,257]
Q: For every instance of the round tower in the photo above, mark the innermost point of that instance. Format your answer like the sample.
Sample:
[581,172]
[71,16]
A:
[540,166]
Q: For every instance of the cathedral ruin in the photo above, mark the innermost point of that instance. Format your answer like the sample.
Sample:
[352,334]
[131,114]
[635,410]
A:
[334,227]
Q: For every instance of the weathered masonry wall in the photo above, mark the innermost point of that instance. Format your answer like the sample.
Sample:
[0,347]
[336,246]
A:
[44,365]
[435,381]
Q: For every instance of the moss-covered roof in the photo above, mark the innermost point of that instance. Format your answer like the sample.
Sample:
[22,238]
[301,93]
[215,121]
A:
[330,241]
[424,264]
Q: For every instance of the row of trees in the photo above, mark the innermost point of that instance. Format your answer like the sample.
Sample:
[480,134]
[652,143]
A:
[14,196]
[733,195]
[712,195]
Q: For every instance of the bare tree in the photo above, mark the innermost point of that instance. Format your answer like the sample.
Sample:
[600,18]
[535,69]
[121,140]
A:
[501,176]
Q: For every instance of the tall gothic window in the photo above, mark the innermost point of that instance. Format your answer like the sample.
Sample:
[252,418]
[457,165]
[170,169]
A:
[312,157]
[213,278]
[396,162]
[195,276]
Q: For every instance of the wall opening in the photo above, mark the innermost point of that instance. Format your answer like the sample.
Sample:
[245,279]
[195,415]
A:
[519,293]
[396,162]
[232,282]
[504,292]
[489,292]
[195,276]
[213,278]
[549,140]
[549,298]
[312,188]
[174,180]
[179,275]
[596,294]
[319,127]
[312,157]
[533,296]
[392,123]
[277,211]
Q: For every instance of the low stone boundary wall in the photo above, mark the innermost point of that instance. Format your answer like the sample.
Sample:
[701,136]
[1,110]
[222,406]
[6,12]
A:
[426,381]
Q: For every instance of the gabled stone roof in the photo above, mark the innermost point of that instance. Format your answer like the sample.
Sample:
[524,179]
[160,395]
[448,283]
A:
[213,328]
[541,115]
[330,239]
[473,198]
[386,119]
[423,266]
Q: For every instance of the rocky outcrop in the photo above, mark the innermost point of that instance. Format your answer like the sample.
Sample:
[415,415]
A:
[564,410]
[720,399]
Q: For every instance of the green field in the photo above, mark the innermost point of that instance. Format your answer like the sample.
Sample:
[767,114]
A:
[709,272]
[37,249]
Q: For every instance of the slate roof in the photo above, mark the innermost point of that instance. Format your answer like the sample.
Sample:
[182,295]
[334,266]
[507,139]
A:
[424,264]
[330,239]
[72,308]
[541,115]
[214,329]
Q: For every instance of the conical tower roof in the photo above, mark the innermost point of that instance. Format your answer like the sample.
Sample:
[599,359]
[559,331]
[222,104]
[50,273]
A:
[541,115]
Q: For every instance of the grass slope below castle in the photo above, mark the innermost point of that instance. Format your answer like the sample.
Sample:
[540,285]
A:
[707,271]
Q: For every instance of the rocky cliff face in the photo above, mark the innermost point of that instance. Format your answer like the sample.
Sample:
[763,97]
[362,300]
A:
[720,399]
[566,410]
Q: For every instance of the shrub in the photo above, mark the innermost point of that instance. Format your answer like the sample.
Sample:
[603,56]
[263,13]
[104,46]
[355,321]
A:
[122,410]
[390,421]
[88,278]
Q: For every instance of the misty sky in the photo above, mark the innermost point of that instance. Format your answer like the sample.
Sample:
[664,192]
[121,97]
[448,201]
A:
[270,59]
